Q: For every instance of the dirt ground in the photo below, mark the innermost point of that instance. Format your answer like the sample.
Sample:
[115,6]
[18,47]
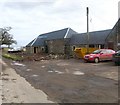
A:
[15,89]
[71,81]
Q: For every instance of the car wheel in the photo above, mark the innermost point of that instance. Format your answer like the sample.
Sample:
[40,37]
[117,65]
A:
[96,60]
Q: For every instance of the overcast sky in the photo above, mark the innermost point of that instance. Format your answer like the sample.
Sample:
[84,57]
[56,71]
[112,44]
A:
[30,18]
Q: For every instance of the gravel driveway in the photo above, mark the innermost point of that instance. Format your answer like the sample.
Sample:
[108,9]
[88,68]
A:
[71,81]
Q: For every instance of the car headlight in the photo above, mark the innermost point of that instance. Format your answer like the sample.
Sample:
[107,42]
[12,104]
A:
[91,56]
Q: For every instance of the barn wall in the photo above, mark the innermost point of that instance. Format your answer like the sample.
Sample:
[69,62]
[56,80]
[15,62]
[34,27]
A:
[56,46]
[29,49]
[33,50]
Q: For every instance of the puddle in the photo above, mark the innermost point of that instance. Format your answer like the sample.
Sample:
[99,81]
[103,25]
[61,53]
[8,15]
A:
[59,72]
[78,73]
[56,71]
[43,66]
[28,70]
[17,64]
[34,75]
[50,71]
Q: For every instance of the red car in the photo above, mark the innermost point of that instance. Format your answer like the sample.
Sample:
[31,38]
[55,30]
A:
[99,55]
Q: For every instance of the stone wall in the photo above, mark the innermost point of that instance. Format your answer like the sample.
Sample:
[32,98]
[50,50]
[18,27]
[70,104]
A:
[55,46]
[33,50]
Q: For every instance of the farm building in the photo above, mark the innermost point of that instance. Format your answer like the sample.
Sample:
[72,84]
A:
[96,39]
[113,38]
[64,41]
[52,42]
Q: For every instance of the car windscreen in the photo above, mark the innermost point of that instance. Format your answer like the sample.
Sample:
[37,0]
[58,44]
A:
[96,51]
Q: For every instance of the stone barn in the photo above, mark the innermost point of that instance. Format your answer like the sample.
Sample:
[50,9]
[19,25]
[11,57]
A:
[54,42]
[113,39]
[64,41]
[96,40]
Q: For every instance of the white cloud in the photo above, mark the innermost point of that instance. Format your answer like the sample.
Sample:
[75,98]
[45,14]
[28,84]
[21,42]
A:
[29,18]
[119,9]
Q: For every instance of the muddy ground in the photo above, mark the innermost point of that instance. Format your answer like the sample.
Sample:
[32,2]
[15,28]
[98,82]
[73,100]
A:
[15,89]
[71,81]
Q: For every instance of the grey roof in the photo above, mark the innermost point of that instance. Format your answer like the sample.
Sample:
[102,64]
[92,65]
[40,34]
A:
[69,33]
[96,37]
[114,30]
[38,41]
[30,43]
[59,34]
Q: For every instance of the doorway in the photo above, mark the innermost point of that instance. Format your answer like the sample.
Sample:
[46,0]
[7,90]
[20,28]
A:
[35,49]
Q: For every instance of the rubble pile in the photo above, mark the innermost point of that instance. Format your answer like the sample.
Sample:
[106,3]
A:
[40,56]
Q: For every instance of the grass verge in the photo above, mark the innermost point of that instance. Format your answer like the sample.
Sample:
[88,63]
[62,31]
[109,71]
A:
[11,56]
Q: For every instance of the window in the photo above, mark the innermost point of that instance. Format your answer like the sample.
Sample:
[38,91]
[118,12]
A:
[96,51]
[109,51]
[104,51]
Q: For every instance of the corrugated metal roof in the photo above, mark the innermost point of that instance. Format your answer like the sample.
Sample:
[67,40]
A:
[96,37]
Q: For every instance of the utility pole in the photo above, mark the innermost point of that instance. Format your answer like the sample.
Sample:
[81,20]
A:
[87,30]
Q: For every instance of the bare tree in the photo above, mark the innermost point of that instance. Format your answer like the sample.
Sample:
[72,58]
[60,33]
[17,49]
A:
[5,37]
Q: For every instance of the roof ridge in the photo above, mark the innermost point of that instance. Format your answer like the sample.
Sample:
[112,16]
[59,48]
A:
[34,41]
[95,31]
[54,31]
[67,33]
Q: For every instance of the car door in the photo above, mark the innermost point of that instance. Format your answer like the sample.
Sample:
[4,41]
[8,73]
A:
[103,55]
[109,54]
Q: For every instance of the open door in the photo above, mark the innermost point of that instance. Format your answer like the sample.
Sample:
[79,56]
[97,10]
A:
[35,50]
[46,49]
